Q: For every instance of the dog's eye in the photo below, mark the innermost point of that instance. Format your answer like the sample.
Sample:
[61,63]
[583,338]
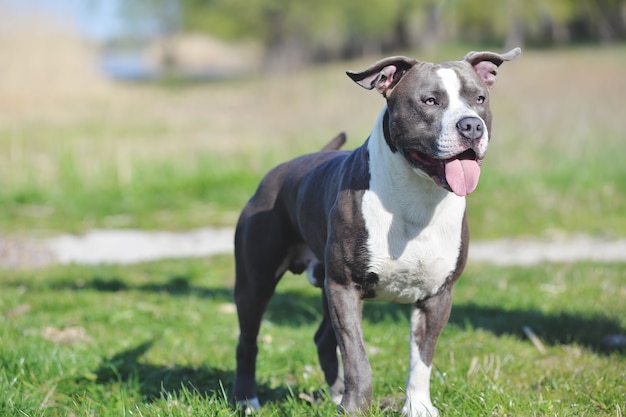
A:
[430,101]
[480,99]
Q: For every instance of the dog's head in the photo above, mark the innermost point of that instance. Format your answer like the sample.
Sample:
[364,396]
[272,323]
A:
[438,115]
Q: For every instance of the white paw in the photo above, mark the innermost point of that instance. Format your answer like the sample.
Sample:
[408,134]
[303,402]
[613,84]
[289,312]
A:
[249,406]
[420,410]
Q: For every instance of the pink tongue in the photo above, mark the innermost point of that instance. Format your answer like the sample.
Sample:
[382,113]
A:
[462,175]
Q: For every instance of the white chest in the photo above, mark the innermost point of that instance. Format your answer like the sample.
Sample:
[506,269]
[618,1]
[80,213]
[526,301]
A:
[412,260]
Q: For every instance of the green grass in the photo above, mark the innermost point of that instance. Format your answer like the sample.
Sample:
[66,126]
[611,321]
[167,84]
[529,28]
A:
[210,190]
[158,339]
[184,156]
[200,190]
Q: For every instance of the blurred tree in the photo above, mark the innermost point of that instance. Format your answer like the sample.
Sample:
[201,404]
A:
[538,22]
[295,32]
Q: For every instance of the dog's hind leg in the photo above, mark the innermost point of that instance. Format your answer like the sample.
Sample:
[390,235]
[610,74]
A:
[326,343]
[258,270]
[250,311]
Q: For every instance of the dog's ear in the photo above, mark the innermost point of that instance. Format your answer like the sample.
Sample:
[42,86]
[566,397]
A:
[384,74]
[486,63]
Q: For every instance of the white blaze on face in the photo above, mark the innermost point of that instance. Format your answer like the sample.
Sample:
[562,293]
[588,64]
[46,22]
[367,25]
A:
[449,145]
[461,174]
[452,84]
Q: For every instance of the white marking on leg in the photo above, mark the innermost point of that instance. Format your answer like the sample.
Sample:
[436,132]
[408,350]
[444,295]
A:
[336,398]
[418,403]
[249,406]
[337,394]
[310,273]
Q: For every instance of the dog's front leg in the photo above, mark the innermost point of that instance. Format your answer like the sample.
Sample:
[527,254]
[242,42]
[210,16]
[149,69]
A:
[326,343]
[345,308]
[428,319]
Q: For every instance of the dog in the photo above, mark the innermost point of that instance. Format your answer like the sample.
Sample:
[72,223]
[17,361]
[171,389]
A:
[383,222]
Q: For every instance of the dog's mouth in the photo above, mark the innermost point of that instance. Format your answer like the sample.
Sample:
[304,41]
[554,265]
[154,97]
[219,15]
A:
[458,174]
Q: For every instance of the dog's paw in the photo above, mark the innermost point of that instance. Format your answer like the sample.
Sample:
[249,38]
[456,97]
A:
[419,410]
[337,390]
[249,406]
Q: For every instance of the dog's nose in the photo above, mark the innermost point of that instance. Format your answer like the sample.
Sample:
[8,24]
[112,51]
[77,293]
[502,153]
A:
[470,128]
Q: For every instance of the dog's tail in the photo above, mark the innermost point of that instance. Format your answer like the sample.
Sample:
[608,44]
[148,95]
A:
[336,143]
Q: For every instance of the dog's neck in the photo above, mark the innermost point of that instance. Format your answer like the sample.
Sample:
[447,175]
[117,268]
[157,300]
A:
[401,188]
[387,131]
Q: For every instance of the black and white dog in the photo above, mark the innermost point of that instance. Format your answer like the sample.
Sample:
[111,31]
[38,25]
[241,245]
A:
[383,222]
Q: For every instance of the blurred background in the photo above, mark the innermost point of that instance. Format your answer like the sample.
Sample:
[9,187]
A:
[145,39]
[164,114]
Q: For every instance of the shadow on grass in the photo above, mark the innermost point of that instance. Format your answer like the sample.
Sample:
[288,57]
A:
[590,331]
[177,285]
[553,329]
[298,308]
[154,382]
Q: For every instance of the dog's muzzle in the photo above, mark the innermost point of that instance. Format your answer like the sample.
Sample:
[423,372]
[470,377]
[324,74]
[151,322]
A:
[458,174]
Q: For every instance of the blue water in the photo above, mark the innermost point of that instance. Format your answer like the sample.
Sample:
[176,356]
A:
[126,24]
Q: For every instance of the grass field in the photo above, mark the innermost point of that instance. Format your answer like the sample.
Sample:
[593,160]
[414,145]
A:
[158,339]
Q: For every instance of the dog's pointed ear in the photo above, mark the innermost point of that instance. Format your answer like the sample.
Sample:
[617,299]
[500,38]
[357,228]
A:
[486,63]
[384,74]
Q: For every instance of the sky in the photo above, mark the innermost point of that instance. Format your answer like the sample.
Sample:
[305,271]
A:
[100,20]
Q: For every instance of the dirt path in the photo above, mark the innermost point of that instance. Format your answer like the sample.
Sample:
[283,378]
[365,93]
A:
[130,246]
